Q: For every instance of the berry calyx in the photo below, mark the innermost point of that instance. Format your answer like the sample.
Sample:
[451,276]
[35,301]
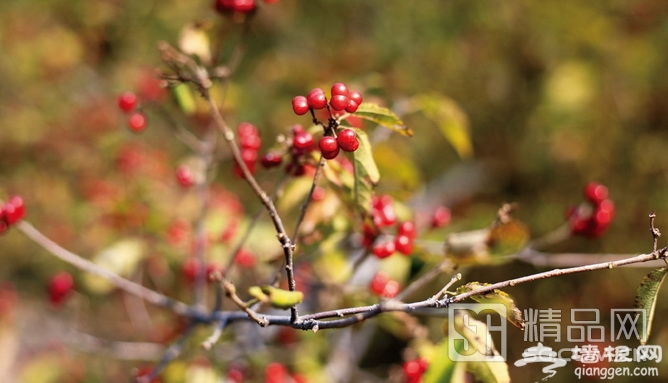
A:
[328,147]
[347,140]
[137,122]
[316,98]
[300,105]
[127,101]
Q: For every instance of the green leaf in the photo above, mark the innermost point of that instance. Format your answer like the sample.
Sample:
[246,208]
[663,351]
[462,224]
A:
[442,369]
[283,299]
[512,314]
[382,116]
[489,371]
[646,297]
[450,119]
[365,171]
[184,98]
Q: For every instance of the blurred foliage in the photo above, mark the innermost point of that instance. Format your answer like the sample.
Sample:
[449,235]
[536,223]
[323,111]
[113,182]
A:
[553,94]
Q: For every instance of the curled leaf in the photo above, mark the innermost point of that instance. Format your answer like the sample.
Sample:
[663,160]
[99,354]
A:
[280,298]
[383,117]
[513,314]
[646,298]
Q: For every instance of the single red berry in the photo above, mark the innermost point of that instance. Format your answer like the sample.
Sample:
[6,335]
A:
[137,122]
[351,106]
[60,286]
[316,98]
[303,142]
[127,101]
[275,373]
[189,269]
[355,96]
[604,213]
[271,159]
[391,289]
[338,102]
[383,249]
[184,176]
[300,105]
[13,210]
[407,228]
[339,88]
[328,147]
[318,194]
[441,217]
[595,192]
[414,369]
[378,282]
[384,216]
[403,244]
[246,129]
[245,258]
[348,141]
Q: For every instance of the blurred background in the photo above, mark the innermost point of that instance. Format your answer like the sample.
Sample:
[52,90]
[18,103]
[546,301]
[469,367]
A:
[551,95]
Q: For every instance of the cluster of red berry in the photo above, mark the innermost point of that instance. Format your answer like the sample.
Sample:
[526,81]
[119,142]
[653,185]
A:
[342,99]
[250,142]
[414,369]
[60,287]
[238,6]
[592,218]
[383,286]
[384,216]
[11,212]
[127,102]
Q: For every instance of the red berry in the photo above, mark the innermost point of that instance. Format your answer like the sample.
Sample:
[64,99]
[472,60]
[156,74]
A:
[241,6]
[595,192]
[383,249]
[137,122]
[338,102]
[414,369]
[403,244]
[60,286]
[441,217]
[378,282]
[275,373]
[271,159]
[328,147]
[246,129]
[351,106]
[355,96]
[316,98]
[189,269]
[13,210]
[339,88]
[303,141]
[391,289]
[184,176]
[127,101]
[300,105]
[347,139]
[244,258]
[407,228]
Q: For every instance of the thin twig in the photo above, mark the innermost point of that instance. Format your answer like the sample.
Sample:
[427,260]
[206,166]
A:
[124,284]
[231,292]
[309,198]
